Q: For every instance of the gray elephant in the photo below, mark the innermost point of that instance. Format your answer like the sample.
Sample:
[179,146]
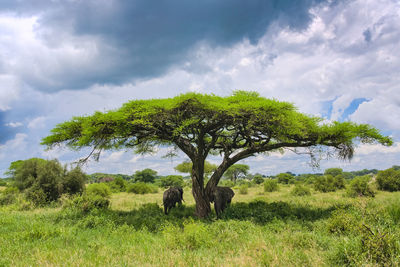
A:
[221,197]
[172,196]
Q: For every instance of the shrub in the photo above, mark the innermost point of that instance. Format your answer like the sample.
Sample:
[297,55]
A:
[74,181]
[8,196]
[227,183]
[44,181]
[117,185]
[171,180]
[329,183]
[285,178]
[142,188]
[100,189]
[243,189]
[270,185]
[258,179]
[88,202]
[388,180]
[3,183]
[300,190]
[359,186]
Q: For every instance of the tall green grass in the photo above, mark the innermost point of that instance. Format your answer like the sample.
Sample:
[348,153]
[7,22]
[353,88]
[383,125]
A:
[258,229]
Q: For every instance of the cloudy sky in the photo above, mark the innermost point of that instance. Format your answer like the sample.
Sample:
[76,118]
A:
[61,58]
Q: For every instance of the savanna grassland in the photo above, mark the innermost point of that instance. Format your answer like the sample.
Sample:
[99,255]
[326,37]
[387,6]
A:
[259,229]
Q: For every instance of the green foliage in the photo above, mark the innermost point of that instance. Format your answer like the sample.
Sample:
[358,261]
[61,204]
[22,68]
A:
[8,196]
[271,185]
[227,183]
[244,189]
[2,182]
[145,176]
[171,180]
[141,188]
[74,181]
[236,171]
[186,167]
[88,202]
[285,178]
[360,187]
[333,171]
[388,180]
[117,185]
[236,127]
[328,183]
[100,189]
[300,190]
[44,181]
[257,179]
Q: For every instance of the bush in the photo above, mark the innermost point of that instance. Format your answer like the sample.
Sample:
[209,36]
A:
[328,183]
[359,186]
[44,181]
[243,189]
[171,180]
[227,183]
[3,183]
[258,179]
[100,189]
[300,190]
[88,202]
[8,196]
[117,185]
[270,185]
[285,178]
[142,188]
[74,181]
[388,180]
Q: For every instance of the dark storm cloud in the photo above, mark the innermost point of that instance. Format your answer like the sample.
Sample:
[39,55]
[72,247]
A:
[142,39]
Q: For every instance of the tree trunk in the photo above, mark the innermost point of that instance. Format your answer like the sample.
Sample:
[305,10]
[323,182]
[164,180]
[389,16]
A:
[203,208]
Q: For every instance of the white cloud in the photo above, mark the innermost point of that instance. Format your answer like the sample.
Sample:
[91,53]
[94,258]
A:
[14,124]
[38,122]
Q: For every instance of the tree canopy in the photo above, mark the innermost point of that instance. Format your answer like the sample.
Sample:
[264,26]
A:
[187,166]
[236,171]
[236,127]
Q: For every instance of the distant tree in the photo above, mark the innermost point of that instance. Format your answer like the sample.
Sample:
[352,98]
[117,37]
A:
[187,166]
[145,176]
[236,171]
[388,180]
[171,180]
[285,178]
[45,180]
[235,127]
[333,171]
[360,187]
[257,179]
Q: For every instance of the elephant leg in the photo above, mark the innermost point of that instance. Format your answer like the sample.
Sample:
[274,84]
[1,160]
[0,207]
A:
[217,207]
[166,209]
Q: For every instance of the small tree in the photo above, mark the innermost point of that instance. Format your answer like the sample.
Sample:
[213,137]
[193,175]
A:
[187,166]
[145,176]
[172,180]
[360,187]
[236,171]
[388,180]
[285,178]
[236,127]
[333,171]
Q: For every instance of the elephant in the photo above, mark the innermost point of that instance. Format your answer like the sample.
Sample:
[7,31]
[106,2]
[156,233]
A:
[171,196]
[221,196]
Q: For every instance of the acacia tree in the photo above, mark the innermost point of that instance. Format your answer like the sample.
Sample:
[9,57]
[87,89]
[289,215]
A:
[236,127]
[187,166]
[236,171]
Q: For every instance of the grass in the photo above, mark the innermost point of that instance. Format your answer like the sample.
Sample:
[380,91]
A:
[259,229]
